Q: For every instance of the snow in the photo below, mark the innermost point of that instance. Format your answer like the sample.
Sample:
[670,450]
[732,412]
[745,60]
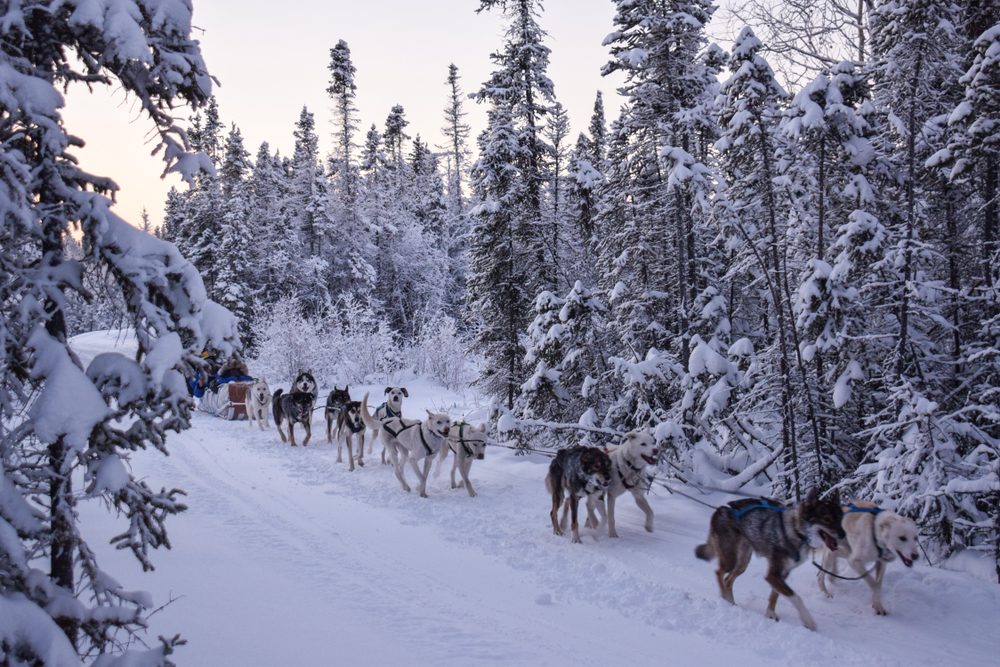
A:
[285,557]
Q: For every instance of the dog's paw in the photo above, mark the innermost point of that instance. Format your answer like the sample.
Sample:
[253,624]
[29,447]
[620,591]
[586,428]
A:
[472,494]
[770,614]
[577,540]
[612,533]
[880,610]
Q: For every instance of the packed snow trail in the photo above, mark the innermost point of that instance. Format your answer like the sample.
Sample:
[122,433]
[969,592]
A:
[286,558]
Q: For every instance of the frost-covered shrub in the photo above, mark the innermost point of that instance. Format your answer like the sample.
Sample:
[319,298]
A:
[287,343]
[440,353]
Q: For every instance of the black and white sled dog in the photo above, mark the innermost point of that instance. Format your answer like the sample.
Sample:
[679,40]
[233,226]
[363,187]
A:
[873,534]
[468,443]
[337,399]
[351,429]
[783,535]
[409,440]
[578,472]
[295,407]
[259,403]
[392,408]
[628,473]
[305,382]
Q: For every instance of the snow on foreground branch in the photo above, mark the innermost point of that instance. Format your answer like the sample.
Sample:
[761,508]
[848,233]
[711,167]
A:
[56,418]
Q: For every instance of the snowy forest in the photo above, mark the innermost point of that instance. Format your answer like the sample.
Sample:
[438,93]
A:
[781,256]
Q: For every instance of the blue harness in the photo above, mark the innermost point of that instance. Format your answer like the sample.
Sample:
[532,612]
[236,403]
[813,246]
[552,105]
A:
[764,505]
[866,510]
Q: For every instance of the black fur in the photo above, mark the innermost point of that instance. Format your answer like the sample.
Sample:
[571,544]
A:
[295,407]
[337,399]
[577,472]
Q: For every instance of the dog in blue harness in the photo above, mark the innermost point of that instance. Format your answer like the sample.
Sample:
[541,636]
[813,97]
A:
[873,534]
[391,409]
[784,535]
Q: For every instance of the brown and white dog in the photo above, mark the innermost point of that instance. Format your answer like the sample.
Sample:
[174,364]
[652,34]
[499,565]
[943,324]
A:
[409,440]
[783,535]
[628,473]
[578,472]
[873,534]
[468,443]
[259,403]
[351,428]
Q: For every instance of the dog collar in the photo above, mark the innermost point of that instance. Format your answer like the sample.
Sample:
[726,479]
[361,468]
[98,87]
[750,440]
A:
[764,505]
[352,429]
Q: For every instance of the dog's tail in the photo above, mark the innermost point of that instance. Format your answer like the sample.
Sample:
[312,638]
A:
[276,406]
[442,455]
[366,416]
[705,551]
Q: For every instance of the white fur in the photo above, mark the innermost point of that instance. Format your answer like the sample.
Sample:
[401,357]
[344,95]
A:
[628,466]
[258,402]
[408,445]
[866,533]
[394,399]
[476,440]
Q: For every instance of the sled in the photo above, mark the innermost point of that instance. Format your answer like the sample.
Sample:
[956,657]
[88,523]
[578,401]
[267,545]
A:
[238,399]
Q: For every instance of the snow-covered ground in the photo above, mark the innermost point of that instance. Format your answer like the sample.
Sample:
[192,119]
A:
[286,558]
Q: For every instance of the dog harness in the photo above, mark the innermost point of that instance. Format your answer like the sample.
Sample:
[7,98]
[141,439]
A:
[868,510]
[461,437]
[352,429]
[423,440]
[385,412]
[636,472]
[764,505]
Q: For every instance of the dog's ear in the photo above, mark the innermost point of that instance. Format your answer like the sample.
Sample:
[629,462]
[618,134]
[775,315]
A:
[630,436]
[645,431]
[482,427]
[835,497]
[430,415]
[345,387]
[405,393]
[387,390]
[812,496]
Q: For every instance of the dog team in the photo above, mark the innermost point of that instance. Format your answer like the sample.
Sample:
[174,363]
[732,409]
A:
[784,534]
[404,441]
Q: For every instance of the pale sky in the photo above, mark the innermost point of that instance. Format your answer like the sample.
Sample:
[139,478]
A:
[271,59]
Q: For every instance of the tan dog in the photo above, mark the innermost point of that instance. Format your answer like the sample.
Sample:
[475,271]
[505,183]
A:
[873,534]
[628,473]
[468,443]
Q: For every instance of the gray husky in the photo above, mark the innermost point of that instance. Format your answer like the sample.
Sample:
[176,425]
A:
[783,535]
[579,472]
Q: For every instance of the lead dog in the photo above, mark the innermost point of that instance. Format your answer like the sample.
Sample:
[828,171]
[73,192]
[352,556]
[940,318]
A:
[409,440]
[578,472]
[351,427]
[391,408]
[873,534]
[337,399]
[258,403]
[628,473]
[781,534]
[468,443]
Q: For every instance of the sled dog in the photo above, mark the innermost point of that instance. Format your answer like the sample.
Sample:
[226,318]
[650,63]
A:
[305,382]
[351,428]
[783,535]
[291,409]
[628,473]
[392,408]
[468,443]
[873,534]
[258,403]
[409,440]
[337,399]
[577,471]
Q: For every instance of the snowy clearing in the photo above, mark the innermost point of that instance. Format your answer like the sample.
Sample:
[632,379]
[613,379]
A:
[286,558]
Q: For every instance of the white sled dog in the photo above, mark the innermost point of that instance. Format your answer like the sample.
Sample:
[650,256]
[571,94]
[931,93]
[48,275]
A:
[393,407]
[410,440]
[873,534]
[468,443]
[259,403]
[628,473]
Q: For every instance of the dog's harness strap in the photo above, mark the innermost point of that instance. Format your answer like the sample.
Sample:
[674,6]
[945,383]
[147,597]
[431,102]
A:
[385,412]
[764,505]
[355,429]
[395,434]
[426,446]
[868,510]
[461,437]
